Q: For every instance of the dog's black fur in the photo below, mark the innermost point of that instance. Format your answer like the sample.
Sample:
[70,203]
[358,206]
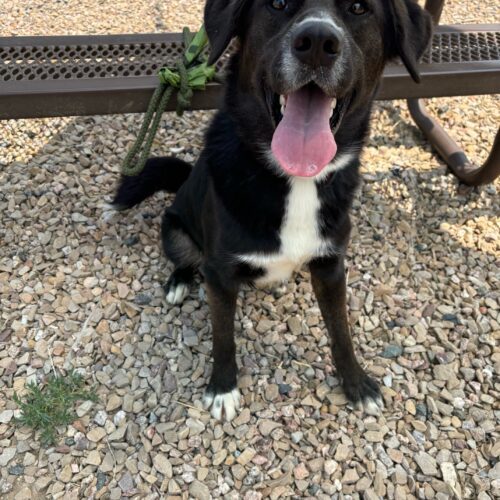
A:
[234,200]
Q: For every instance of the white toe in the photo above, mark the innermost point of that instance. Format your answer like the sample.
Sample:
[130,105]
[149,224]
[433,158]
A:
[181,293]
[207,400]
[372,406]
[176,295]
[108,212]
[223,405]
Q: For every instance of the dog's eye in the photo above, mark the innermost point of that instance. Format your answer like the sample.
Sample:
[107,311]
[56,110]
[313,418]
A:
[358,8]
[279,4]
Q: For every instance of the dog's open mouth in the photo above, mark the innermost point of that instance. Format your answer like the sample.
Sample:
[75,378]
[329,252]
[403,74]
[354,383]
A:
[303,142]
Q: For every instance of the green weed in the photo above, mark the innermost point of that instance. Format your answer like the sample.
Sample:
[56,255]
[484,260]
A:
[51,405]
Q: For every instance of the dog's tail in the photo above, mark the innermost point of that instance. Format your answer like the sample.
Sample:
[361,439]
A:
[159,174]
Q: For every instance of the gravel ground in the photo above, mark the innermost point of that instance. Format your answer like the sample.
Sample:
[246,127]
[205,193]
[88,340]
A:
[80,287]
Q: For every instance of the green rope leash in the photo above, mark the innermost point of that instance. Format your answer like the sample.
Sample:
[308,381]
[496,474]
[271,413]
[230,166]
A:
[190,73]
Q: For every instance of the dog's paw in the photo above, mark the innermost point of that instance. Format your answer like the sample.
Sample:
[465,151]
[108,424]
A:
[364,395]
[370,405]
[177,287]
[223,406]
[115,207]
[176,293]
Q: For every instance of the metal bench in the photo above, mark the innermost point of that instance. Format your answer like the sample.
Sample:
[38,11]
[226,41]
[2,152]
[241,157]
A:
[87,75]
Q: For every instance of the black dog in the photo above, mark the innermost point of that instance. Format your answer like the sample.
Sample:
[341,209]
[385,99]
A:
[273,187]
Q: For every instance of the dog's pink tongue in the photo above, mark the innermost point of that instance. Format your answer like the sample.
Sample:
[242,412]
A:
[303,142]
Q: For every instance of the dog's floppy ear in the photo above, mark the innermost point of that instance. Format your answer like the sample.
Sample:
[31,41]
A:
[410,29]
[221,23]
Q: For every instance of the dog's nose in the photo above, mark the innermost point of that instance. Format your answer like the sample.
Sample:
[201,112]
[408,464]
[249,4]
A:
[317,43]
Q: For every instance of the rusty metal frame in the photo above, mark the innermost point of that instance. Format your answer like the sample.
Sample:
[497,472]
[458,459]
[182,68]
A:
[449,151]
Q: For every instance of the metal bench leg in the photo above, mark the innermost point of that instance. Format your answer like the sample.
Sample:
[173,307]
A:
[451,153]
[435,9]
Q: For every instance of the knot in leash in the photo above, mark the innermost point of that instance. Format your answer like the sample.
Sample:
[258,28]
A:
[190,73]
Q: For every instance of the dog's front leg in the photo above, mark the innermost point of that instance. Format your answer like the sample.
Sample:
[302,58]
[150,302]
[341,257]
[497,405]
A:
[222,394]
[329,282]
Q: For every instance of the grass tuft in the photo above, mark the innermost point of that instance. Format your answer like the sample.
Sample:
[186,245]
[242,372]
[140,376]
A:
[49,406]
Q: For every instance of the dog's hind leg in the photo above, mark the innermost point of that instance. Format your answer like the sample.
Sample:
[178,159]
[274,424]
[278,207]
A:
[185,255]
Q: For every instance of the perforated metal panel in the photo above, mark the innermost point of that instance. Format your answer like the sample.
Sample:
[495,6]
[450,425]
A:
[41,60]
[463,47]
[53,62]
[114,60]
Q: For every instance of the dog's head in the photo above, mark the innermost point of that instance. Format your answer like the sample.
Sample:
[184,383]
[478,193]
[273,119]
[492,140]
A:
[306,66]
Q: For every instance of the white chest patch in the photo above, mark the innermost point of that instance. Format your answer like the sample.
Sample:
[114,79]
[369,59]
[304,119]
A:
[300,234]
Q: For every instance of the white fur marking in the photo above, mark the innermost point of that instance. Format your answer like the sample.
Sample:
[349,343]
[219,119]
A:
[178,294]
[300,235]
[300,232]
[223,404]
[338,164]
[108,211]
[323,18]
[371,406]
